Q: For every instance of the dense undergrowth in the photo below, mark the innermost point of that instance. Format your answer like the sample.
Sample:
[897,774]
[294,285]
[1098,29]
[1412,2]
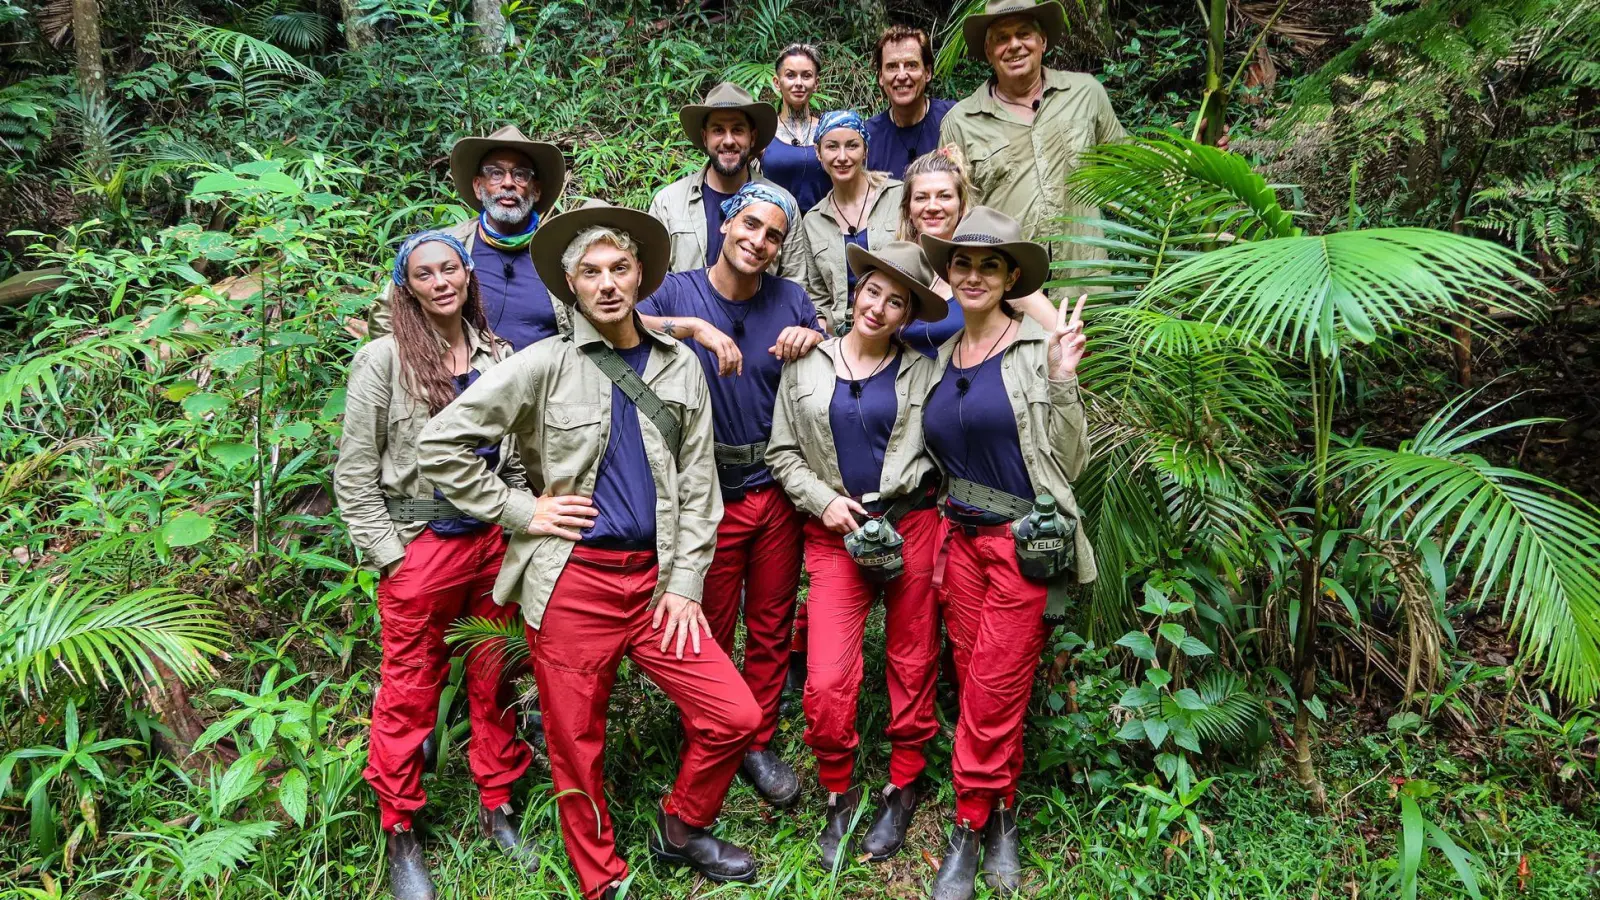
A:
[167,415]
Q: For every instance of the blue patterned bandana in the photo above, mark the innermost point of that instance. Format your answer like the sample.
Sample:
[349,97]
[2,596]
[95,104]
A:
[756,192]
[844,118]
[410,244]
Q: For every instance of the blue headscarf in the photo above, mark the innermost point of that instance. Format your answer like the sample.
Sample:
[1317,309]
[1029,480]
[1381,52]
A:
[410,244]
[844,118]
[756,192]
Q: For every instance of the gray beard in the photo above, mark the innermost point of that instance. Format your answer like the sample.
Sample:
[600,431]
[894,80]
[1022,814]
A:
[511,220]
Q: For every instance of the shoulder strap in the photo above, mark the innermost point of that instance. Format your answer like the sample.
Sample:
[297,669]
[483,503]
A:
[652,407]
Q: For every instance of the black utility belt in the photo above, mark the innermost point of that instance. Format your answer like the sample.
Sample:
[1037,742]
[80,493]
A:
[735,464]
[879,506]
[411,509]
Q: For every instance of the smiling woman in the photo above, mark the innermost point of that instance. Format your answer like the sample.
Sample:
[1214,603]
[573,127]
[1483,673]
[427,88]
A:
[862,209]
[435,563]
[789,159]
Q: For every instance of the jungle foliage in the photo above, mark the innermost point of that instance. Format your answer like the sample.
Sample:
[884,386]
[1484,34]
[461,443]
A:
[1337,649]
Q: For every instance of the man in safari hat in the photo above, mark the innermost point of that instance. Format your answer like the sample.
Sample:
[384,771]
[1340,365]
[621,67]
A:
[511,180]
[1023,129]
[731,128]
[613,422]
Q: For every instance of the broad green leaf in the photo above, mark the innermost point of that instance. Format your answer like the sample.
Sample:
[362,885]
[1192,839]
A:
[1173,633]
[1156,731]
[1135,697]
[187,529]
[198,406]
[292,795]
[1410,846]
[232,359]
[231,455]
[1193,646]
[1139,643]
[1190,700]
[1158,677]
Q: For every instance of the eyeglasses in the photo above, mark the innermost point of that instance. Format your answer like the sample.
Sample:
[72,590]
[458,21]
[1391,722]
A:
[494,175]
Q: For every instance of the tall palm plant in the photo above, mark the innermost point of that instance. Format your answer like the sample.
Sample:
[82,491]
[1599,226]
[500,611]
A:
[1226,332]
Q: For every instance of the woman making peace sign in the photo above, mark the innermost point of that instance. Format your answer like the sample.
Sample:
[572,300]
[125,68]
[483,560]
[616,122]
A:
[1005,424]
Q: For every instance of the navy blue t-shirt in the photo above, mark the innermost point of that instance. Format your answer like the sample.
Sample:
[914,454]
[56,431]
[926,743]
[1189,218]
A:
[891,148]
[975,436]
[927,337]
[491,458]
[514,299]
[861,427]
[713,200]
[624,488]
[860,240]
[797,170]
[741,405]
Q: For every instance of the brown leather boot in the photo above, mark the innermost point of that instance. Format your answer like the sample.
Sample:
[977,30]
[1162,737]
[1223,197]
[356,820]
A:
[676,841]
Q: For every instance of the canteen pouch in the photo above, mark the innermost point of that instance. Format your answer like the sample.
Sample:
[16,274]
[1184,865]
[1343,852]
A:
[1043,554]
[876,548]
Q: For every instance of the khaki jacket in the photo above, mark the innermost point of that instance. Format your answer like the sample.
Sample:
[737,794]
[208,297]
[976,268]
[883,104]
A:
[558,405]
[1021,170]
[467,233]
[827,276]
[1051,426]
[378,449]
[681,208]
[801,452]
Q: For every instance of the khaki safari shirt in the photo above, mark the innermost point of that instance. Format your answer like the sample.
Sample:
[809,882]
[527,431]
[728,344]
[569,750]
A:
[467,233]
[557,403]
[1021,170]
[827,275]
[680,206]
[1051,427]
[378,449]
[801,452]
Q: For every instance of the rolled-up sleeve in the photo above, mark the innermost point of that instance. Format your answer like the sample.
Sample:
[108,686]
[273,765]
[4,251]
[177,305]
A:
[502,401]
[699,497]
[358,472]
[1069,426]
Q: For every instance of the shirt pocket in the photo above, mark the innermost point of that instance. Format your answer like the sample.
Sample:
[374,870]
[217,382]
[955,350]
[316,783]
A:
[572,433]
[1062,149]
[687,246]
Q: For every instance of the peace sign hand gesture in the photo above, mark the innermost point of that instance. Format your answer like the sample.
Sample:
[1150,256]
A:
[1066,342]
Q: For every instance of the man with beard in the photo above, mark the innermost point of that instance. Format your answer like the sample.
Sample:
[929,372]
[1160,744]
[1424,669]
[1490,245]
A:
[909,128]
[771,321]
[732,129]
[511,181]
[613,424]
[1023,130]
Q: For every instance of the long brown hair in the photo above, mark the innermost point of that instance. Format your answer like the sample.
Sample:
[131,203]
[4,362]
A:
[947,159]
[422,363]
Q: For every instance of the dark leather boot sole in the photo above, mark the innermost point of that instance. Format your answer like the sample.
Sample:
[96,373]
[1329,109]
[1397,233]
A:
[666,855]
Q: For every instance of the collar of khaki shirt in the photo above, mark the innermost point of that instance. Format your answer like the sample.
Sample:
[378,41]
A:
[1054,80]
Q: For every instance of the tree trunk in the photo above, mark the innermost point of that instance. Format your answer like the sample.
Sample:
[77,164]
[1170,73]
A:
[358,33]
[491,26]
[1214,107]
[1305,682]
[86,37]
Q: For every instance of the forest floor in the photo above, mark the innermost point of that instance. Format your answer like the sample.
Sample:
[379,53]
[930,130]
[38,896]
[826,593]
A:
[1251,836]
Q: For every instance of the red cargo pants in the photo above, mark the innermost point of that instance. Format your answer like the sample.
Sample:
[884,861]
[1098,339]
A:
[839,600]
[442,579]
[758,551]
[600,612]
[995,619]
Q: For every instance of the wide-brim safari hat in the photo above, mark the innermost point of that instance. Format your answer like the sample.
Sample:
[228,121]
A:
[728,95]
[556,234]
[1051,16]
[904,262]
[549,166]
[989,229]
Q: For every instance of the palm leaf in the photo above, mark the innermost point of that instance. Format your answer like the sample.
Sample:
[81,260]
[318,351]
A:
[95,633]
[1307,293]
[505,639]
[1523,537]
[243,50]
[1179,182]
